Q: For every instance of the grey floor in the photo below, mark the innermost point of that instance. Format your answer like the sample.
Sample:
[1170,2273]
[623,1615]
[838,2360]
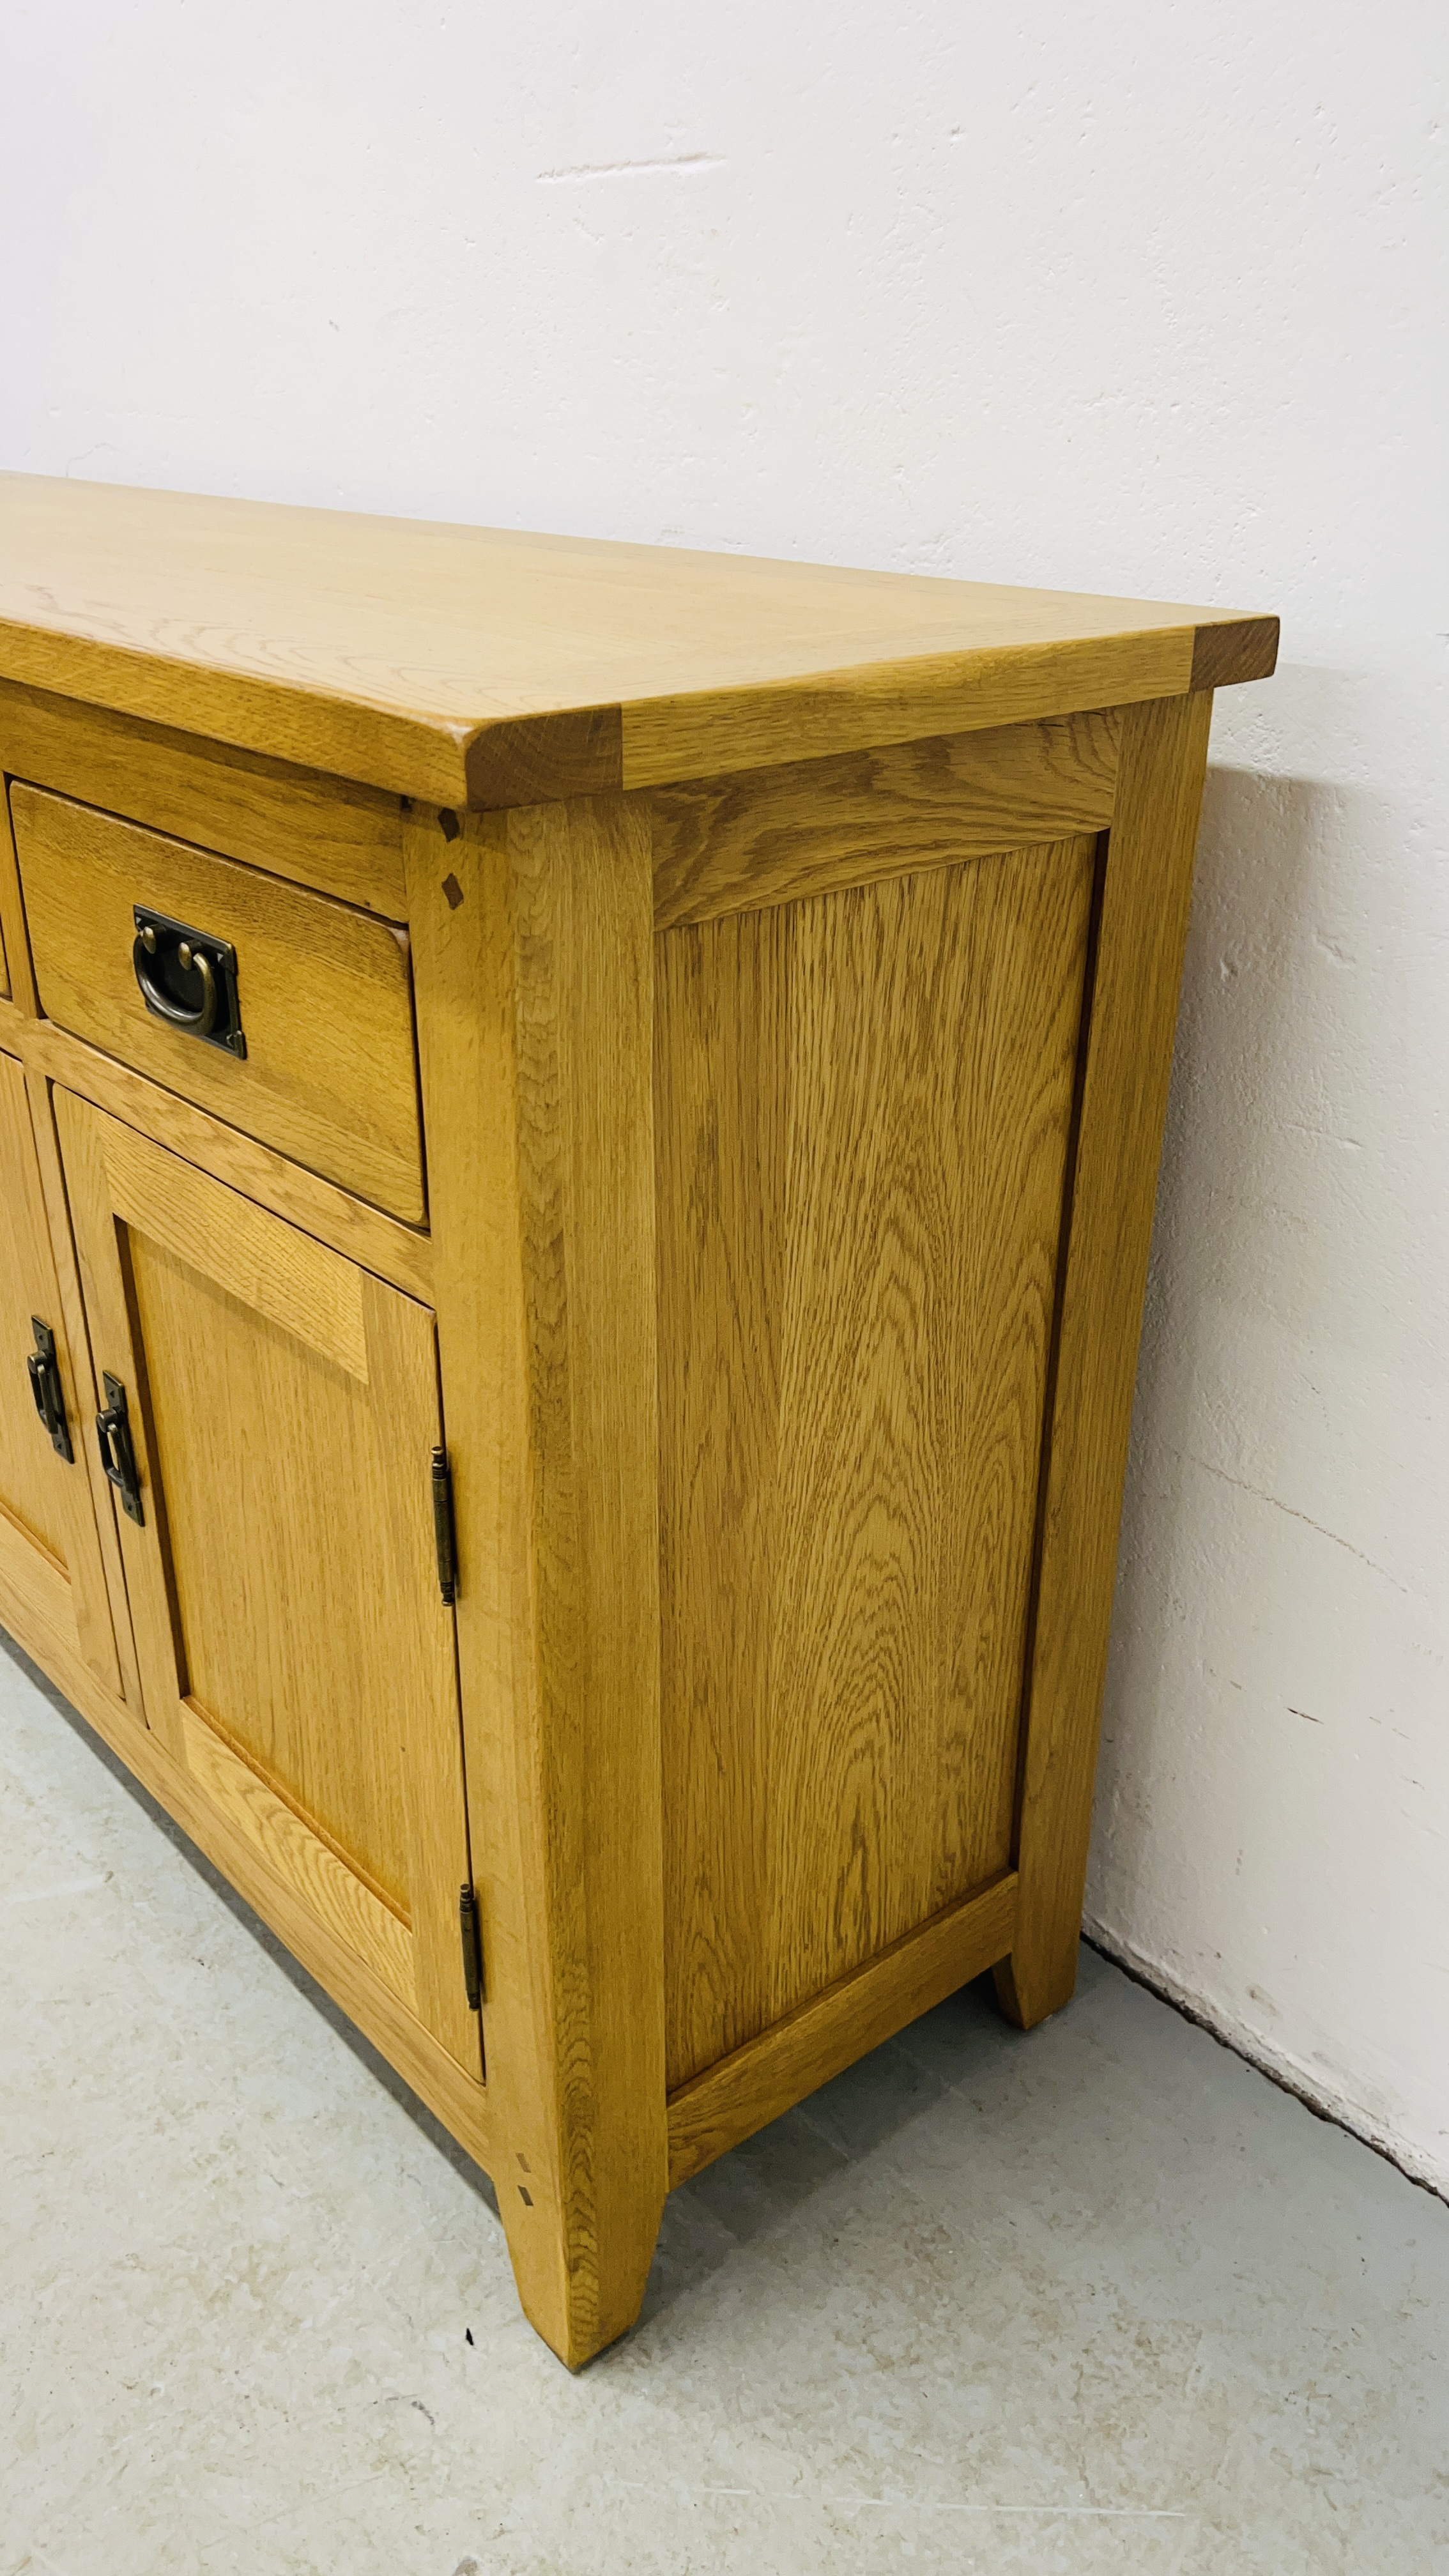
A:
[1098,2299]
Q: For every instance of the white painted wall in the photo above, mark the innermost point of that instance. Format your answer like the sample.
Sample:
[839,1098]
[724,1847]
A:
[1128,298]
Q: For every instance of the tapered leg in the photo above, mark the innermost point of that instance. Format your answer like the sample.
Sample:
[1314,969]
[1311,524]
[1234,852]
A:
[1146,893]
[533,949]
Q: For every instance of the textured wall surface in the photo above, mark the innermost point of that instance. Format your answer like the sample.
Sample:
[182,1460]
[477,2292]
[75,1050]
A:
[1129,299]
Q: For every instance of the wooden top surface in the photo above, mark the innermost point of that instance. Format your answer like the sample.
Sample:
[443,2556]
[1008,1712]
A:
[485,666]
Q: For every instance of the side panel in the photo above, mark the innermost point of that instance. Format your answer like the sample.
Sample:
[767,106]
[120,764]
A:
[863,1104]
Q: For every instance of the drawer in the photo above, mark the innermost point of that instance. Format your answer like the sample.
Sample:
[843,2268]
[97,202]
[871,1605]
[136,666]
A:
[323,992]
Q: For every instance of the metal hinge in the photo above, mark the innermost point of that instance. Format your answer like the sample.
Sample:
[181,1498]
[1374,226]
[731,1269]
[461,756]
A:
[443,1527]
[472,1937]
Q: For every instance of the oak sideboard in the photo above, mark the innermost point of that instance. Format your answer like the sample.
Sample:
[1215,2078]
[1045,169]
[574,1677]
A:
[578,1132]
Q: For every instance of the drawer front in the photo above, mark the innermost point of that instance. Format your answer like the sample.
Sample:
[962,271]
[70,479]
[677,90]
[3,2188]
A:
[323,992]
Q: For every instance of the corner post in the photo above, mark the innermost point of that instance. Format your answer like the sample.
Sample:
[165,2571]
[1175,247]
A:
[532,936]
[1145,901]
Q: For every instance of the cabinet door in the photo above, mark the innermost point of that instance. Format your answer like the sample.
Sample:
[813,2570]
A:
[50,1560]
[296,1653]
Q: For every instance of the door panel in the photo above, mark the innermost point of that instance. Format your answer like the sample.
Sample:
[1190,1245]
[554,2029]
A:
[50,1557]
[295,1651]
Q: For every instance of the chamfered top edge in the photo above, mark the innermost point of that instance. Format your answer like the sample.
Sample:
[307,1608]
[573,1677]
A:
[495,667]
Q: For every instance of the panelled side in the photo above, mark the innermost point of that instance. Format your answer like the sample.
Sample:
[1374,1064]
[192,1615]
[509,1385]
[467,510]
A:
[863,1103]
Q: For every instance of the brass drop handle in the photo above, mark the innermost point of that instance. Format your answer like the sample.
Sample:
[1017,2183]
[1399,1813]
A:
[165,951]
[113,1431]
[200,1022]
[44,1371]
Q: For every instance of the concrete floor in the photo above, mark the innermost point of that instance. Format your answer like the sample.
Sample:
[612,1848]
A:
[1098,2299]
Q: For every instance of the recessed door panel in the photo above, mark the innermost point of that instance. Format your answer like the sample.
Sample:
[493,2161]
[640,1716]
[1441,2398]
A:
[268,1454]
[282,1410]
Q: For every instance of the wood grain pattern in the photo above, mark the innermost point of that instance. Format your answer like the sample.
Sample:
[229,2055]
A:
[862,1107]
[48,1541]
[87,1390]
[34,1589]
[272,1270]
[326,999]
[419,1643]
[33,1579]
[283,1586]
[18,1000]
[1146,897]
[1232,649]
[269,1460]
[375,650]
[362,1234]
[533,955]
[881,704]
[326,1886]
[94,1237]
[545,757]
[35,1489]
[459,2101]
[741,2094]
[772,836]
[343,840]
